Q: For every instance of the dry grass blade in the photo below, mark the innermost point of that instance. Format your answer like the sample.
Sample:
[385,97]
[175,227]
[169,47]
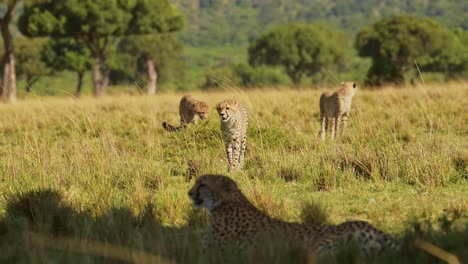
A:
[436,251]
[96,248]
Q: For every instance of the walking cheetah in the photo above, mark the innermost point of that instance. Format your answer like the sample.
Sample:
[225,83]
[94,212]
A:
[235,220]
[336,105]
[189,109]
[234,122]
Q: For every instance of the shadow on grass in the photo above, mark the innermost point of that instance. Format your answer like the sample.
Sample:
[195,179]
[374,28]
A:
[40,227]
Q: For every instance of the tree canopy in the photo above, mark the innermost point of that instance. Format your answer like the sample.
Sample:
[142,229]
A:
[30,65]
[68,54]
[135,52]
[95,23]
[300,49]
[397,44]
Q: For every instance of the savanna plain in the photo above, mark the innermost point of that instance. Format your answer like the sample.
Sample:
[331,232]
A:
[100,181]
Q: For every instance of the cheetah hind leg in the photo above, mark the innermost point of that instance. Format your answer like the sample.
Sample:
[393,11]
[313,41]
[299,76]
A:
[324,122]
[334,130]
[344,121]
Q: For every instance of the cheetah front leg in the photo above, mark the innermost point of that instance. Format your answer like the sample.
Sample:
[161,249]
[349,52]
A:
[243,146]
[334,130]
[229,155]
[235,155]
[324,122]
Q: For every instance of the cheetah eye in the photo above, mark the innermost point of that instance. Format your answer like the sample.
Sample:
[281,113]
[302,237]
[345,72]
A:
[227,108]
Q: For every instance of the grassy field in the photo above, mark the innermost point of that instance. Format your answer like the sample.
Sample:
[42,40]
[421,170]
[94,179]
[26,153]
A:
[104,171]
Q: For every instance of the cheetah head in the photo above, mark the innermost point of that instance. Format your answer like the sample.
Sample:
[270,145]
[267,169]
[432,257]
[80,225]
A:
[201,108]
[350,87]
[226,109]
[210,191]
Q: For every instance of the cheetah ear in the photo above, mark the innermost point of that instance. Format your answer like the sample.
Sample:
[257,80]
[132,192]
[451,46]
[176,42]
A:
[230,187]
[354,85]
[342,83]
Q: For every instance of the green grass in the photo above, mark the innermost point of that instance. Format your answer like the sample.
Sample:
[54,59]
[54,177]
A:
[105,170]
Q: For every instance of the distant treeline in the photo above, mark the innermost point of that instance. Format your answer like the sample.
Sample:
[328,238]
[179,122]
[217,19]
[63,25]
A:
[248,43]
[236,22]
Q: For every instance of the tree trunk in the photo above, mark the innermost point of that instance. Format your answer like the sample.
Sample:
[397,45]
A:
[295,76]
[296,79]
[152,76]
[100,81]
[79,85]
[9,68]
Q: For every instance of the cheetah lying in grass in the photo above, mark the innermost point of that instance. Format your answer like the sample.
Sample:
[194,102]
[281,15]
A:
[234,123]
[235,220]
[189,109]
[335,106]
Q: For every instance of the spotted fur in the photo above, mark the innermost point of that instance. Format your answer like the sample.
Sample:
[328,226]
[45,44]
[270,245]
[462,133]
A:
[189,109]
[234,123]
[335,106]
[233,219]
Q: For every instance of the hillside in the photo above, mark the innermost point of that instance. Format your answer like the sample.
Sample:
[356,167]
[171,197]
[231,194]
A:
[234,22]
[218,32]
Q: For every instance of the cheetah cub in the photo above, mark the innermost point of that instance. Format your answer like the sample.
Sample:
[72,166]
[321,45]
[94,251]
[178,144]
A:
[234,122]
[336,105]
[189,109]
[233,219]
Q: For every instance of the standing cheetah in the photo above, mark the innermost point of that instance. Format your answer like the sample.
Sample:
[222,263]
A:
[336,105]
[234,122]
[189,109]
[233,219]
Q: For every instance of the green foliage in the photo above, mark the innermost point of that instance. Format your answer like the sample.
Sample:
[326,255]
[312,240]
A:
[300,49]
[244,75]
[95,23]
[260,76]
[149,16]
[29,64]
[235,22]
[67,54]
[72,18]
[396,44]
[132,54]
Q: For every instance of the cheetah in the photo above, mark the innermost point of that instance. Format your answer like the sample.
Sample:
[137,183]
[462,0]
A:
[233,219]
[234,122]
[189,109]
[336,105]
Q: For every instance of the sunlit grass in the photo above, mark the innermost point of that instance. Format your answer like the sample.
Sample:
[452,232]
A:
[404,158]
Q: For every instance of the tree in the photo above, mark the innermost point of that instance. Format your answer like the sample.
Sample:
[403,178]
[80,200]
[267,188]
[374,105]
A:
[96,23]
[300,49]
[148,19]
[151,53]
[9,64]
[396,44]
[68,54]
[29,61]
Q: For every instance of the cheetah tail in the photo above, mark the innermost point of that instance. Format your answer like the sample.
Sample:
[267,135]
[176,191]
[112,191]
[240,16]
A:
[170,128]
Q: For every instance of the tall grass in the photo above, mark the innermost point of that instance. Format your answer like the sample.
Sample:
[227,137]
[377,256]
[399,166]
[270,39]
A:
[110,164]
